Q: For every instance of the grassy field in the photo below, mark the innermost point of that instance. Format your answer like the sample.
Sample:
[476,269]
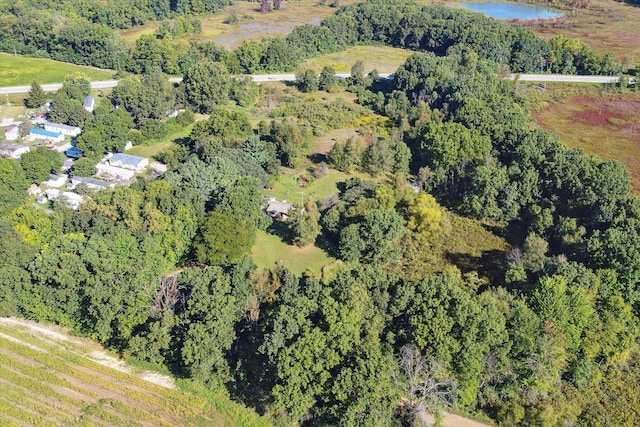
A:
[605,25]
[383,58]
[22,71]
[50,378]
[603,124]
[253,25]
[270,248]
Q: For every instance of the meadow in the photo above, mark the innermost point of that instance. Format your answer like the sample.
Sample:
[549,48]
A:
[382,58]
[599,122]
[22,71]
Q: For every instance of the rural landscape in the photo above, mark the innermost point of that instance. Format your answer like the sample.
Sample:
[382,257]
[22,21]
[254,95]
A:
[320,213]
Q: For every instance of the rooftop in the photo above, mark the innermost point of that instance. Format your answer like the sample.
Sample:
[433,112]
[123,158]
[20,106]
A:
[43,132]
[61,126]
[126,159]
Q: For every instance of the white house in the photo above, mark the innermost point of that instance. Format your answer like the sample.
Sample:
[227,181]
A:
[89,103]
[74,200]
[91,183]
[63,129]
[15,151]
[56,181]
[127,161]
[12,132]
[37,133]
[104,169]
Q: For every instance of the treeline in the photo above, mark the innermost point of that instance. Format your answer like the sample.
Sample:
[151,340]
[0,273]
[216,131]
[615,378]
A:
[93,41]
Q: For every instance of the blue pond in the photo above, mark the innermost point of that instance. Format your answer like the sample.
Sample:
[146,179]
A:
[510,10]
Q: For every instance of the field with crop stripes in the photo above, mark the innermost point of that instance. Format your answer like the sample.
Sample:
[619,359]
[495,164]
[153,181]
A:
[50,378]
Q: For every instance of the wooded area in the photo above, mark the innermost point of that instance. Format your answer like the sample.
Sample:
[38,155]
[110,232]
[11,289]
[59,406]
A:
[161,270]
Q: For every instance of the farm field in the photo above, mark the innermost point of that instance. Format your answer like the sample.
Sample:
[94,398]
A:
[51,378]
[22,71]
[604,125]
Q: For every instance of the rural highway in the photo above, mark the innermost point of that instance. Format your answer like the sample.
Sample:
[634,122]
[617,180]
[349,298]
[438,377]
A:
[291,77]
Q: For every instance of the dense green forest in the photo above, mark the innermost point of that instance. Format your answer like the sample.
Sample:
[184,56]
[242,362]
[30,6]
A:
[161,270]
[85,33]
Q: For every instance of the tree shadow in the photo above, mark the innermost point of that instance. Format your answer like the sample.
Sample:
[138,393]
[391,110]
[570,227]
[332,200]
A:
[281,229]
[491,264]
[317,158]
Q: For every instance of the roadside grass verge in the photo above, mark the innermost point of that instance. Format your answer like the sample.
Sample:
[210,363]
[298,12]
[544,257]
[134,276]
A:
[22,71]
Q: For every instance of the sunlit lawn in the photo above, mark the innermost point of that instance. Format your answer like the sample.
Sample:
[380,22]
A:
[22,71]
[270,248]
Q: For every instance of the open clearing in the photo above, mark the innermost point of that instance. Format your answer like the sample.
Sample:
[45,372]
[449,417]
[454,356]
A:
[252,24]
[382,58]
[605,125]
[22,71]
[51,378]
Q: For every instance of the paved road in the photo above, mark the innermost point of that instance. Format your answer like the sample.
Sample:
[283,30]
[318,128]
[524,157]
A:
[291,77]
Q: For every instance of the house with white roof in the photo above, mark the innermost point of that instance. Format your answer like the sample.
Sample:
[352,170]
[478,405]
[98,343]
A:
[88,103]
[127,161]
[12,150]
[12,132]
[56,181]
[91,183]
[62,128]
[74,200]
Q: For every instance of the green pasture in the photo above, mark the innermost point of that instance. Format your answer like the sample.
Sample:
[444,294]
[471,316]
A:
[22,71]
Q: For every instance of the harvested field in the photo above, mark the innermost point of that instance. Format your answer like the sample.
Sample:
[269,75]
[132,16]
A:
[51,378]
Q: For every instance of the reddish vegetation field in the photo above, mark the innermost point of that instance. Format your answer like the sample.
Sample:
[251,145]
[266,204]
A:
[608,127]
[605,25]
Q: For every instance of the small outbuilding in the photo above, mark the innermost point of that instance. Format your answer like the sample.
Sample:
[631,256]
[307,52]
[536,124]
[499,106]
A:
[88,103]
[12,132]
[74,153]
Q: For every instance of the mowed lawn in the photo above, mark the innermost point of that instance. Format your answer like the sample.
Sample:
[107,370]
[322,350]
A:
[270,248]
[22,71]
[604,125]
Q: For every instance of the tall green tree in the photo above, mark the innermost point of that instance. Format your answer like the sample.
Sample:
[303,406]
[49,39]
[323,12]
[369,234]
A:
[36,97]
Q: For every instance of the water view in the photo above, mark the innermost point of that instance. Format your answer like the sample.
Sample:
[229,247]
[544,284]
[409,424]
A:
[511,10]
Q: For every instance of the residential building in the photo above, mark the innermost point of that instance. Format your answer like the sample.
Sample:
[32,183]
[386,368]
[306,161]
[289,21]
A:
[74,153]
[12,150]
[56,181]
[278,210]
[38,133]
[63,129]
[91,183]
[12,132]
[127,161]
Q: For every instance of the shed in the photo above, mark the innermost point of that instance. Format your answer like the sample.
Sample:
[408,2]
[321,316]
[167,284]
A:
[12,132]
[74,153]
[88,103]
